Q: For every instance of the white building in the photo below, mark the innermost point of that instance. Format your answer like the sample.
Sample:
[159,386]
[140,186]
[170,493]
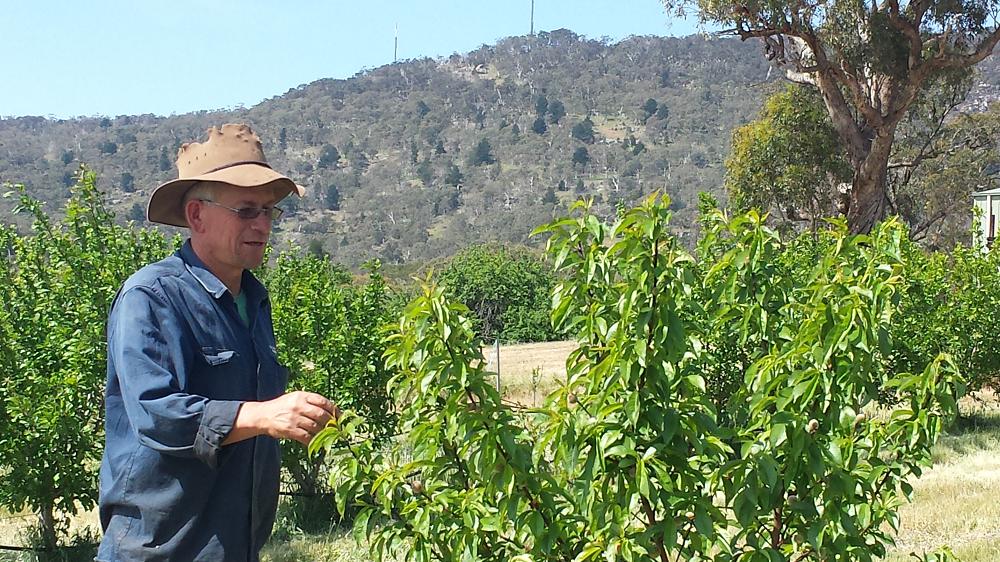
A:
[987,204]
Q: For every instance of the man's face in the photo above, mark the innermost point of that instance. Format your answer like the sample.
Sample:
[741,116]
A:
[231,243]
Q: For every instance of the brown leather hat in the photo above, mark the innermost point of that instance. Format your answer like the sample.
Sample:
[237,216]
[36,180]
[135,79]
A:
[233,155]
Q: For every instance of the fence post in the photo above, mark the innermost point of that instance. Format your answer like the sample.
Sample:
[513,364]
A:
[496,344]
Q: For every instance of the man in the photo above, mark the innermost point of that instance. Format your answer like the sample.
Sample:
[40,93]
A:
[195,398]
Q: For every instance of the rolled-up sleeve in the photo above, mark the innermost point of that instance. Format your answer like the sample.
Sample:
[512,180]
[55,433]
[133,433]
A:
[153,360]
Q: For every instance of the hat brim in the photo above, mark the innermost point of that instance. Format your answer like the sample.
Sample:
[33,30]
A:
[166,204]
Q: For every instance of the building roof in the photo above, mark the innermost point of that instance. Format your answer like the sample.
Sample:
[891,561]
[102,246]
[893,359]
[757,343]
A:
[995,191]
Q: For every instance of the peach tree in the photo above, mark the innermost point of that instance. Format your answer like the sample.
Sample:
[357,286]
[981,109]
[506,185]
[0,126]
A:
[57,282]
[329,330]
[637,456]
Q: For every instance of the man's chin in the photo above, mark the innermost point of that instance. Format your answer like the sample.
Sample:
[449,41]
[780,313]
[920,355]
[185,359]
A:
[253,259]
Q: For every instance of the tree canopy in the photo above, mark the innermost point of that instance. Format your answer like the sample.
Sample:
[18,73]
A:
[790,158]
[482,154]
[584,130]
[506,288]
[870,62]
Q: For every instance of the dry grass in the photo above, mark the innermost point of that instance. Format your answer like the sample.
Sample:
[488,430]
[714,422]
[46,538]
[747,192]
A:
[955,503]
[12,526]
[335,546]
[519,362]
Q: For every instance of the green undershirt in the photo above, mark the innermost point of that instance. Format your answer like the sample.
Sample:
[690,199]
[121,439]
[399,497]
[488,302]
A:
[241,307]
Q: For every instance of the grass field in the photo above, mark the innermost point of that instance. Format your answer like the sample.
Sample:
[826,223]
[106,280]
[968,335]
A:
[955,503]
[528,372]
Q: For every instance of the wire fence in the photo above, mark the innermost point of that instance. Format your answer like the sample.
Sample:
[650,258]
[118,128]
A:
[18,521]
[20,524]
[40,549]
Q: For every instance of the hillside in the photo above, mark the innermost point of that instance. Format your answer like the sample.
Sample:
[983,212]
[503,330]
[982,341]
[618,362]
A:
[410,161]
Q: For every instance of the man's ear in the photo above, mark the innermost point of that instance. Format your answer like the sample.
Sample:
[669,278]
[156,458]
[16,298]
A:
[192,212]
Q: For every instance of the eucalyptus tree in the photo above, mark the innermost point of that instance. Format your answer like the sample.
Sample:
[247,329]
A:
[789,158]
[870,61]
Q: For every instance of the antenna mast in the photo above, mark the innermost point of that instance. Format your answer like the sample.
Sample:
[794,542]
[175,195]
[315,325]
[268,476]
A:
[532,17]
[395,43]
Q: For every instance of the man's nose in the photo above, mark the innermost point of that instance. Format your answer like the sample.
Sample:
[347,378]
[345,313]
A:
[262,223]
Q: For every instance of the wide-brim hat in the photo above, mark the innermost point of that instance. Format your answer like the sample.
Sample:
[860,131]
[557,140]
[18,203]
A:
[232,155]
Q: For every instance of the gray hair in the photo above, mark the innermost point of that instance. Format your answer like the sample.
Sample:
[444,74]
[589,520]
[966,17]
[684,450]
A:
[200,190]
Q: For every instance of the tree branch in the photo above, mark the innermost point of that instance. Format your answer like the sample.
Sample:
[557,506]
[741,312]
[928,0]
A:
[954,60]
[909,29]
[919,232]
[651,519]
[776,529]
[684,540]
[918,9]
[828,80]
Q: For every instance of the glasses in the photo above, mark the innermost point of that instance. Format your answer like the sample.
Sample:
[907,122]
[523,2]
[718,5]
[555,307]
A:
[250,213]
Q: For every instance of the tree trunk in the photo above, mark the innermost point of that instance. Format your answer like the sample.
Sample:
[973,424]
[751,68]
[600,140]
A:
[47,529]
[869,198]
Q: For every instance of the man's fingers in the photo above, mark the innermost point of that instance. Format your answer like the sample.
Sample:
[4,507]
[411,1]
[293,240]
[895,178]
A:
[318,416]
[302,436]
[298,415]
[305,414]
[314,425]
[320,401]
[313,412]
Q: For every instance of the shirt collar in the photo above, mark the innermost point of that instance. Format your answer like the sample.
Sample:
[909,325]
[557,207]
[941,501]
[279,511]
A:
[250,285]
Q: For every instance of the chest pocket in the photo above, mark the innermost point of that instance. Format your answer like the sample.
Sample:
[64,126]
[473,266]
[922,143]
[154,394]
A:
[215,357]
[223,374]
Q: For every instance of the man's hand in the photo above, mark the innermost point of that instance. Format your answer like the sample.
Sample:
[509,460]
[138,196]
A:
[297,415]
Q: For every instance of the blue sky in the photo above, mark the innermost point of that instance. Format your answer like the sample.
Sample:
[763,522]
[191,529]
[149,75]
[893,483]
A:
[66,58]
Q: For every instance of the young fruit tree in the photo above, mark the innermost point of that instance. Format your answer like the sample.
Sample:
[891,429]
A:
[56,284]
[635,457]
[330,331]
[870,61]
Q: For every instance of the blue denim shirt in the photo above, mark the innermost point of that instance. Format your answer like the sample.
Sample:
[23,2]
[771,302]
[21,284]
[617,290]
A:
[180,364]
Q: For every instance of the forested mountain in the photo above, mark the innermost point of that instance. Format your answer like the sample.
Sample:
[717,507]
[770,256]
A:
[413,160]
